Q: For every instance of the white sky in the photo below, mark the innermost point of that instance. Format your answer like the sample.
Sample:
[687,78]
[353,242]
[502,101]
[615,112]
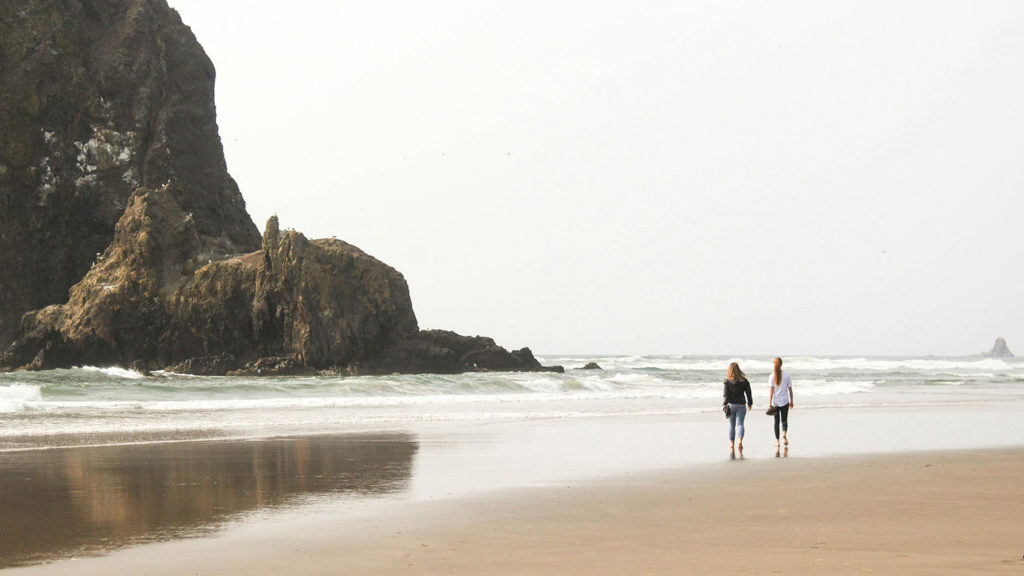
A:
[648,177]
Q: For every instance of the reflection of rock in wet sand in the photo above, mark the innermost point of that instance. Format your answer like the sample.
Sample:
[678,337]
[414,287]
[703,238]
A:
[58,502]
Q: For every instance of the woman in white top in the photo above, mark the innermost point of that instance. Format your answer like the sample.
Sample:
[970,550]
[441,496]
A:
[781,395]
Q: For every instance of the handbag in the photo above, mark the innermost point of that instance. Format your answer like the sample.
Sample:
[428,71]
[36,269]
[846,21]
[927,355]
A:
[772,410]
[727,410]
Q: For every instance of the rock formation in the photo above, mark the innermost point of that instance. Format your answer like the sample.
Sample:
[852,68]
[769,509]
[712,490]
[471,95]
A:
[97,99]
[999,350]
[124,241]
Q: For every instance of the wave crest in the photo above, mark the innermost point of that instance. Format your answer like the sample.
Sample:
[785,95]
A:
[15,397]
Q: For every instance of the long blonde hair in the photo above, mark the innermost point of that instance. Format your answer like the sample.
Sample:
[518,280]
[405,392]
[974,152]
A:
[778,372]
[735,374]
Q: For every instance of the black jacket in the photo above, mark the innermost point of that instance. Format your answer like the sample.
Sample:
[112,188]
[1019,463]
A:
[734,391]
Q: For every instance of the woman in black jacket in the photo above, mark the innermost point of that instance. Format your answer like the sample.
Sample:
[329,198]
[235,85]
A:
[736,390]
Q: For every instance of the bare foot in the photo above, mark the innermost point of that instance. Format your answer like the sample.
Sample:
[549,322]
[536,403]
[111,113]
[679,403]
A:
[785,440]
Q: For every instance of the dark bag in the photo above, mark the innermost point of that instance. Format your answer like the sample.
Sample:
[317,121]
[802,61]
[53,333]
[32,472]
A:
[727,410]
[772,410]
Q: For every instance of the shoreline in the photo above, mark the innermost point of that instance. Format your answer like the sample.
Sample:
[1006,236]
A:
[915,513]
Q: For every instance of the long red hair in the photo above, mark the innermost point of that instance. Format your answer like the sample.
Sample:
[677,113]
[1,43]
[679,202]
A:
[778,372]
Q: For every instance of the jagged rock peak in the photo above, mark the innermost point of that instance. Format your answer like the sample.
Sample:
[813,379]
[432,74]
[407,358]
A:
[271,232]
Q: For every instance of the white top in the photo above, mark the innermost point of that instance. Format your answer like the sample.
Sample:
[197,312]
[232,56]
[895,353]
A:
[781,397]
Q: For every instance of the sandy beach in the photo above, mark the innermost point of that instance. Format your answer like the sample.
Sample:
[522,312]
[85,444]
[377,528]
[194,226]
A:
[937,513]
[916,514]
[594,496]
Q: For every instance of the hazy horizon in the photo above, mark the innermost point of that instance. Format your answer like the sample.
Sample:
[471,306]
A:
[700,178]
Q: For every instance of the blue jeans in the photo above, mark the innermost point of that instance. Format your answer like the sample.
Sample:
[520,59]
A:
[739,413]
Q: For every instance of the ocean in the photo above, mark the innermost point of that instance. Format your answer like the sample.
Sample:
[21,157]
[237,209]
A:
[96,406]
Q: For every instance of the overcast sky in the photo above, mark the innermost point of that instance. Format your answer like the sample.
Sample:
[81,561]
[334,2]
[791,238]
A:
[672,177]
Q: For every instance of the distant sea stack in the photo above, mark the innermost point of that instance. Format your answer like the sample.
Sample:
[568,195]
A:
[124,241]
[999,350]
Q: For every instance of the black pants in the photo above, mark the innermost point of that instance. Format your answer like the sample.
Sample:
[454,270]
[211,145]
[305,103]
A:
[782,414]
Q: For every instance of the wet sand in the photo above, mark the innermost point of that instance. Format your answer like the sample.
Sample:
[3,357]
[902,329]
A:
[547,497]
[939,513]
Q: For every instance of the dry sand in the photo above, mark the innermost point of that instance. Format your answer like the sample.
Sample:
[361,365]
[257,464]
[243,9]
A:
[957,512]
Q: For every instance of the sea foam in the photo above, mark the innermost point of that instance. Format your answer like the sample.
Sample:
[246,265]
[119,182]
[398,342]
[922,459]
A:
[15,397]
[114,372]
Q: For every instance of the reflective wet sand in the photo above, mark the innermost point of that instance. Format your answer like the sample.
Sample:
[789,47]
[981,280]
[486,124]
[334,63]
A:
[65,502]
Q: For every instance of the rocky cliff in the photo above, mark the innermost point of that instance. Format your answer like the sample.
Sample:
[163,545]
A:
[97,99]
[124,240]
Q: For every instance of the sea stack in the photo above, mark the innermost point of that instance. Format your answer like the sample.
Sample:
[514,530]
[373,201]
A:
[999,350]
[124,241]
